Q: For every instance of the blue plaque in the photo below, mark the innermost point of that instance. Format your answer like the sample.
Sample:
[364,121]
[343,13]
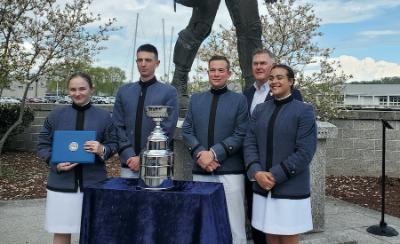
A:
[68,146]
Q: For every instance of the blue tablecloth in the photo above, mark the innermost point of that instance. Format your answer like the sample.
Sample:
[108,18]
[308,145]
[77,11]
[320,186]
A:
[117,211]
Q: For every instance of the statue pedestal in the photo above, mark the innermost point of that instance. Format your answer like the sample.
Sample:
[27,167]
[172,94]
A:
[182,160]
[325,130]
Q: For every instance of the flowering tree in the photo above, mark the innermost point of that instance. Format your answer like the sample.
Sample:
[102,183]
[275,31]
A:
[288,31]
[36,35]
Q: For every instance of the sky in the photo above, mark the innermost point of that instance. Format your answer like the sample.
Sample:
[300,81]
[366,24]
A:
[365,34]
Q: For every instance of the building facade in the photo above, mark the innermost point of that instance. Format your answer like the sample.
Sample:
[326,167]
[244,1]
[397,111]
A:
[16,90]
[372,95]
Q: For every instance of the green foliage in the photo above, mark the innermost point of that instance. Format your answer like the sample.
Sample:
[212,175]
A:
[59,74]
[9,114]
[105,80]
[386,80]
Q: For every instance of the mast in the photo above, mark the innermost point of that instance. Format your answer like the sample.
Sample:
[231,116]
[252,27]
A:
[170,51]
[165,56]
[134,49]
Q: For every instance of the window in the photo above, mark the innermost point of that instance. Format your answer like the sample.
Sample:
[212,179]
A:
[382,100]
[394,101]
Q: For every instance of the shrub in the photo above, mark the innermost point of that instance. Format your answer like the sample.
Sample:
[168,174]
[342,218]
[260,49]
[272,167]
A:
[9,114]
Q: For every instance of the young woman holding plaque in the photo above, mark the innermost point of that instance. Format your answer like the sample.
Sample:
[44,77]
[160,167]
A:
[278,149]
[67,180]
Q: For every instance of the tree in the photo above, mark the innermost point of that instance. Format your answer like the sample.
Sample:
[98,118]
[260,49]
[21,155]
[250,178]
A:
[58,74]
[105,80]
[288,32]
[35,35]
[385,80]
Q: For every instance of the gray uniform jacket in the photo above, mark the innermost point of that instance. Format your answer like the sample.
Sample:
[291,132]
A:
[282,139]
[230,127]
[124,115]
[64,118]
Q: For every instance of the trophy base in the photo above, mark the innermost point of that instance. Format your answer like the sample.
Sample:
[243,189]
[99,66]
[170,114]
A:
[166,185]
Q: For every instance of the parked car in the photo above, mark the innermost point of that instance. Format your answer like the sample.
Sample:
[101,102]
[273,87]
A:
[64,100]
[36,100]
[102,100]
[9,100]
[51,99]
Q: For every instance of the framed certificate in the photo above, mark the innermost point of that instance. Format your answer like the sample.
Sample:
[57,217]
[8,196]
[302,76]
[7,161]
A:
[68,146]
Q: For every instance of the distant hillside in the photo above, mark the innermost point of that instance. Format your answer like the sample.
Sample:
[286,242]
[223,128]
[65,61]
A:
[386,80]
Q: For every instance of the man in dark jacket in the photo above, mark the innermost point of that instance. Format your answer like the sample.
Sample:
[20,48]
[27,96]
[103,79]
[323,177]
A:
[213,130]
[129,110]
[262,62]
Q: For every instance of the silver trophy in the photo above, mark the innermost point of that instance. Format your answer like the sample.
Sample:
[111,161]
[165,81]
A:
[156,162]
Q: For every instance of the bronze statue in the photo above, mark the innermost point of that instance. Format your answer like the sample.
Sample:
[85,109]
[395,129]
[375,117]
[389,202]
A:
[246,19]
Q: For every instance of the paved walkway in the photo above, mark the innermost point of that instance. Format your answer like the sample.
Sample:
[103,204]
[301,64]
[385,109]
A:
[21,222]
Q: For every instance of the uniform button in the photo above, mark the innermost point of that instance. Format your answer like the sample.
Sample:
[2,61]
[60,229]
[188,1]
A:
[190,149]
[230,147]
[292,172]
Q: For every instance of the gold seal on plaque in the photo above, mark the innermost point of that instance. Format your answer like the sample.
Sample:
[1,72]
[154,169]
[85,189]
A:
[73,146]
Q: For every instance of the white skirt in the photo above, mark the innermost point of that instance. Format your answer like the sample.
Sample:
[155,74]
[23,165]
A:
[281,216]
[63,212]
[128,173]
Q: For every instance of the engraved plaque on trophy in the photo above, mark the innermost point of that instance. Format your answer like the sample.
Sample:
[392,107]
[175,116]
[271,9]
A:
[156,162]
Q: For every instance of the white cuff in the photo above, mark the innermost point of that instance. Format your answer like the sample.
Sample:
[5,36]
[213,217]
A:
[103,153]
[215,155]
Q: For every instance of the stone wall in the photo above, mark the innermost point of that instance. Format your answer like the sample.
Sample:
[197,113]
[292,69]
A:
[357,150]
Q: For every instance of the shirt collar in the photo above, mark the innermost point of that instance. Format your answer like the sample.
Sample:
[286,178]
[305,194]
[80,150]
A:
[148,83]
[283,100]
[219,91]
[264,87]
[83,107]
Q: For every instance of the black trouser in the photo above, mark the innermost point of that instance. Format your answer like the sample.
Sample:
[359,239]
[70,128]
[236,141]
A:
[245,18]
[258,236]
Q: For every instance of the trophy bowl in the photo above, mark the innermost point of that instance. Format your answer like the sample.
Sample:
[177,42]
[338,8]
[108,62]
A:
[157,171]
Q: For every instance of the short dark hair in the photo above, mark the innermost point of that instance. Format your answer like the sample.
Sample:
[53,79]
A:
[83,75]
[290,72]
[220,57]
[148,48]
[262,51]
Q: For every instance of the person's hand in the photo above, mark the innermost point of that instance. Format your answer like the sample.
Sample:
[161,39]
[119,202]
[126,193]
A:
[204,158]
[133,163]
[265,179]
[212,166]
[94,147]
[65,166]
